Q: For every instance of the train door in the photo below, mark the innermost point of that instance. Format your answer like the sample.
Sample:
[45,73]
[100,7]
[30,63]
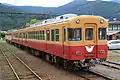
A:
[65,42]
[90,40]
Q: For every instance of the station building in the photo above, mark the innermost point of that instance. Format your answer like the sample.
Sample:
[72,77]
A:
[113,31]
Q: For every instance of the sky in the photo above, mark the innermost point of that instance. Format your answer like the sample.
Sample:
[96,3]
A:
[44,3]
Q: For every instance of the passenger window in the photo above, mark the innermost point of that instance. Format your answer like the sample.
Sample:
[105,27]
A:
[48,35]
[89,33]
[43,35]
[52,35]
[102,34]
[57,34]
[34,35]
[74,34]
[40,35]
[64,34]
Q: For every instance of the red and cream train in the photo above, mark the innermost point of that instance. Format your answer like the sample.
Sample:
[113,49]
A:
[69,40]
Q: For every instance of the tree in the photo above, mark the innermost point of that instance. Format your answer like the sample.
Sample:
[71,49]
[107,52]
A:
[32,21]
[2,35]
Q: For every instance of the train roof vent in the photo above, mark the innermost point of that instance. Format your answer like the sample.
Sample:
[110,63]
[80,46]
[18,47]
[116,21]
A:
[65,16]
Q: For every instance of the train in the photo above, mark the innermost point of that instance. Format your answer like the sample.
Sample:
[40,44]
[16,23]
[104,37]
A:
[70,40]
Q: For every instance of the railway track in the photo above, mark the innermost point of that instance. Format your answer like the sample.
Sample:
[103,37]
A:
[92,75]
[111,64]
[86,75]
[25,73]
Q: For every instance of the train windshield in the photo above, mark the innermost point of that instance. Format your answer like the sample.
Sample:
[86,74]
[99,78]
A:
[89,33]
[102,34]
[74,34]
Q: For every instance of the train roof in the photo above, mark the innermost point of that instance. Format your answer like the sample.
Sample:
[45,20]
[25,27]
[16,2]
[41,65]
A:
[59,19]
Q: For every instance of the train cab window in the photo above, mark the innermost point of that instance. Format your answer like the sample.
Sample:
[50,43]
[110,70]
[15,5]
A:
[48,35]
[74,34]
[57,34]
[102,34]
[89,33]
[52,35]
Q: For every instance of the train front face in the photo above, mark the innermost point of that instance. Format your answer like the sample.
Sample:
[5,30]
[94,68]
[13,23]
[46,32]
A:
[87,38]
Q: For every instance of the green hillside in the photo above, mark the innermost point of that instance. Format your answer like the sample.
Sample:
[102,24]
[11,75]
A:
[8,21]
[16,20]
[103,8]
[106,9]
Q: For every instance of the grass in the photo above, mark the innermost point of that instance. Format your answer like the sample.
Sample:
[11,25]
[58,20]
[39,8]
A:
[113,56]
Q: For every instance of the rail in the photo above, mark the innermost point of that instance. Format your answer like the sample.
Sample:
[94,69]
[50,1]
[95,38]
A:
[16,75]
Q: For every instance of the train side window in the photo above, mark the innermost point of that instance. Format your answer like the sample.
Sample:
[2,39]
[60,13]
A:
[35,34]
[64,34]
[28,35]
[25,35]
[52,35]
[89,33]
[43,35]
[57,34]
[74,34]
[40,36]
[48,35]
[102,34]
[32,35]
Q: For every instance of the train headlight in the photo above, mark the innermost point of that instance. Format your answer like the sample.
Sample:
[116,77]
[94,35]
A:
[102,51]
[78,21]
[78,53]
[102,21]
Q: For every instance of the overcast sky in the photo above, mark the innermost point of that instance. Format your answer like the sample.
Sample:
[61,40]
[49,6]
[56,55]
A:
[44,3]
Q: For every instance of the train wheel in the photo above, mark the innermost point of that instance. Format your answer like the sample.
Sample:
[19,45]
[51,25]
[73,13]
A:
[47,57]
[65,64]
[32,51]
[36,53]
[86,68]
